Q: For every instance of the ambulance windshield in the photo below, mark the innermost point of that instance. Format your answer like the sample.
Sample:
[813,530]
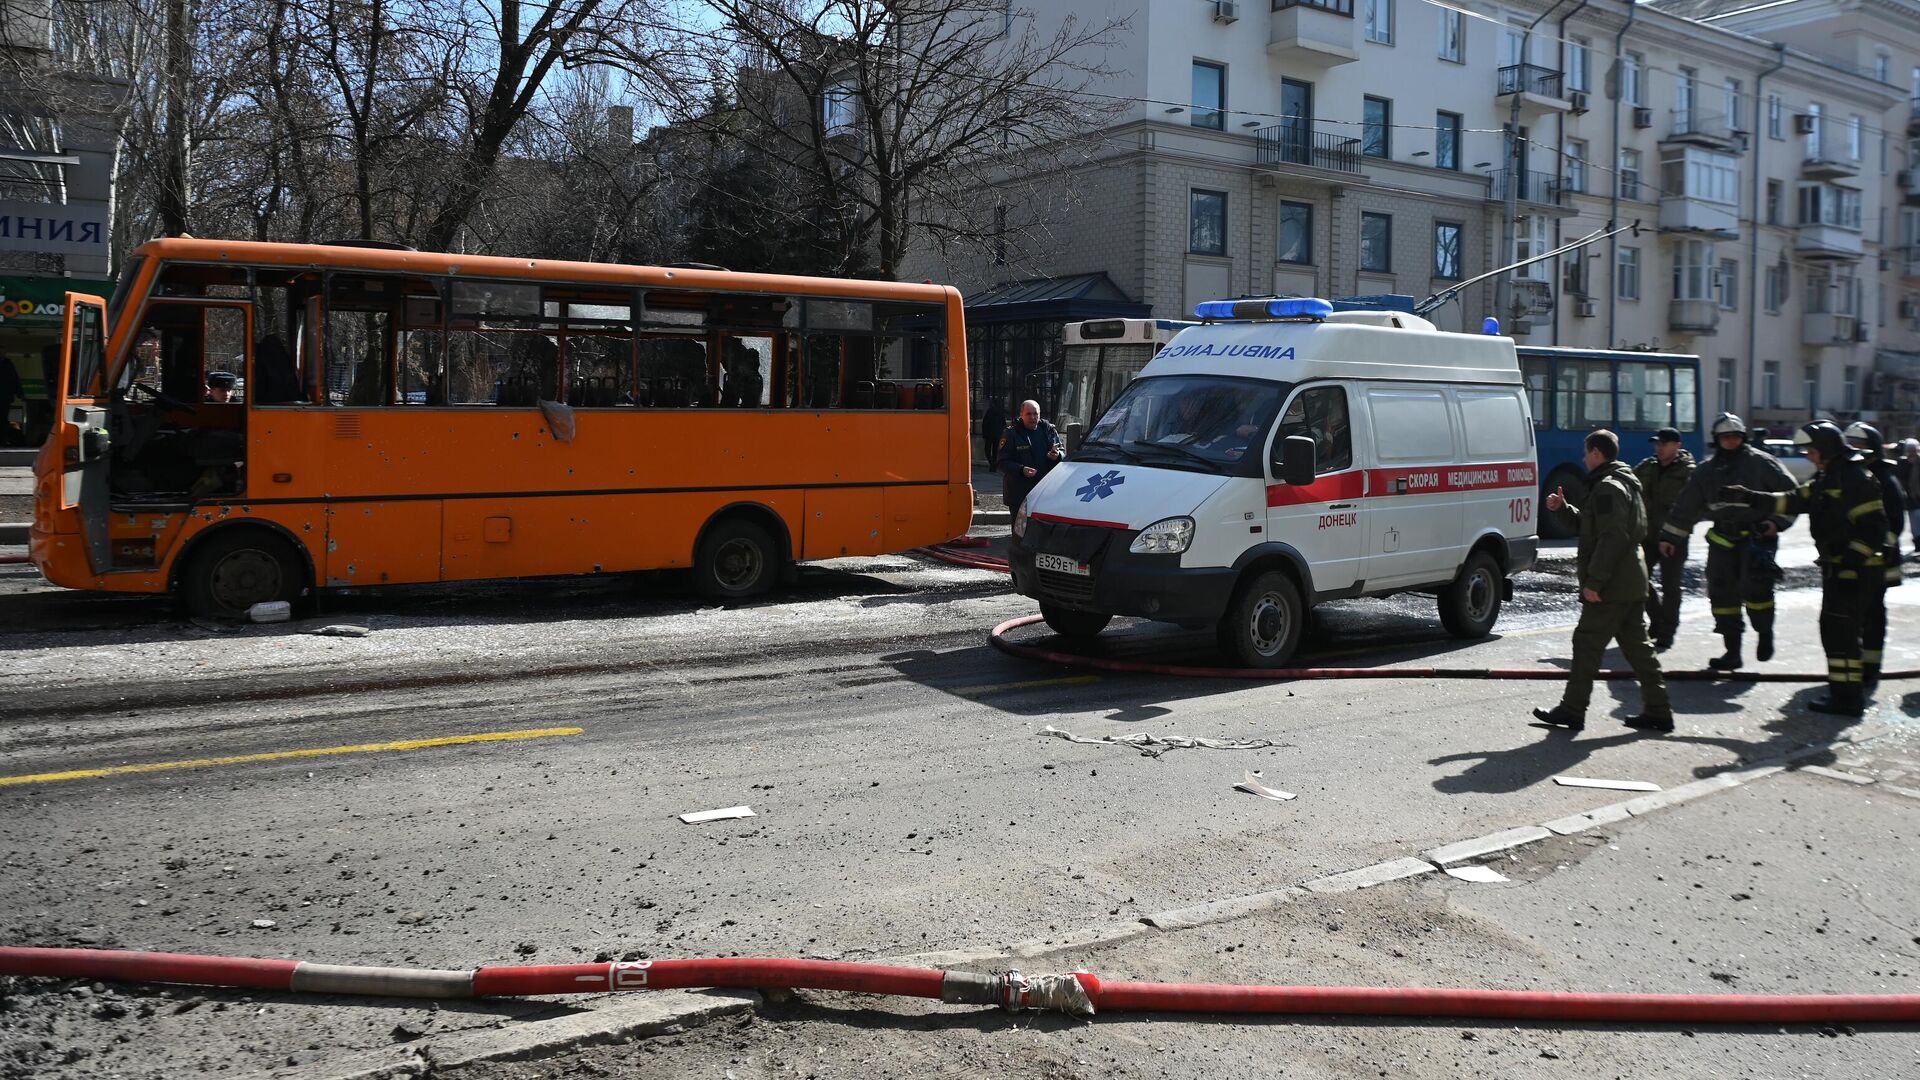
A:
[1201,423]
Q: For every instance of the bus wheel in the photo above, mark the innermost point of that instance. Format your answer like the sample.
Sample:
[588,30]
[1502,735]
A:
[234,570]
[1262,625]
[1559,524]
[1074,624]
[737,559]
[1471,604]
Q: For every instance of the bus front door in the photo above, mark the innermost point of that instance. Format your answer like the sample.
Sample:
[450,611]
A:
[80,436]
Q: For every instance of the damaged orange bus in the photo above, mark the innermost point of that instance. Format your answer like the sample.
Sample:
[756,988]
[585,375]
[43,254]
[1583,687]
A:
[397,416]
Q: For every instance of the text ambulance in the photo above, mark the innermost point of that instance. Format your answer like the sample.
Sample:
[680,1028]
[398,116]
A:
[1279,455]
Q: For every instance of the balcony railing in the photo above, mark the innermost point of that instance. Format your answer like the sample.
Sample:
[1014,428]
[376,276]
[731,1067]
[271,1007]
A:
[1692,123]
[1528,186]
[1531,79]
[1297,143]
[1337,7]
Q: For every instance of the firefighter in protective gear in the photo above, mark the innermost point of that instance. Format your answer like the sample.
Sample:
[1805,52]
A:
[1741,540]
[1865,438]
[1848,519]
[1663,476]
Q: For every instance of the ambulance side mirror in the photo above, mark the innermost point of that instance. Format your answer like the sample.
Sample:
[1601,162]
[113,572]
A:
[1296,460]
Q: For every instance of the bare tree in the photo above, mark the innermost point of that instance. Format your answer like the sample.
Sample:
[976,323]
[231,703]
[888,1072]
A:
[908,114]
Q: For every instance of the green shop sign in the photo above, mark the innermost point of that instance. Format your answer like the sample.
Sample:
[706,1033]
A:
[42,302]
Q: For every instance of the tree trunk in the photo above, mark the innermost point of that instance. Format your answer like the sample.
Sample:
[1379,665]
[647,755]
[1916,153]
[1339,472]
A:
[173,201]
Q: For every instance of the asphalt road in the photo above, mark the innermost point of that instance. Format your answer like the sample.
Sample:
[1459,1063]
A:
[494,774]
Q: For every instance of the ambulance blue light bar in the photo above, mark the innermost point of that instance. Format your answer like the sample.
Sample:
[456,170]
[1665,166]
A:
[1299,307]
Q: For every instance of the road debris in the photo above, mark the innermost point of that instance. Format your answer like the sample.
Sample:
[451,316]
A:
[340,630]
[1252,786]
[1485,875]
[1145,743]
[702,816]
[270,611]
[1610,785]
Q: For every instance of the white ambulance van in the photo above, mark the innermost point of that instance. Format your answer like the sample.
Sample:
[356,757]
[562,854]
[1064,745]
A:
[1281,454]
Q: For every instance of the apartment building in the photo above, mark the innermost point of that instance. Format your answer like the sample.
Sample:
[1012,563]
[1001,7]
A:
[1342,147]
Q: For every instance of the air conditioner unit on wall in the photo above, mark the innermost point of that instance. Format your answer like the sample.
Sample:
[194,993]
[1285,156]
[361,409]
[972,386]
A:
[1642,116]
[1584,309]
[1861,332]
[1804,123]
[1226,11]
[1577,101]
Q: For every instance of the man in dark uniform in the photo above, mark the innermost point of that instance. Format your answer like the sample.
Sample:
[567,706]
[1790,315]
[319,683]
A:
[1865,438]
[1742,540]
[1029,449]
[1663,476]
[1848,520]
[1613,591]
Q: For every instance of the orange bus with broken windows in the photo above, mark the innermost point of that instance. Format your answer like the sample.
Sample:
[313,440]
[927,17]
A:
[403,417]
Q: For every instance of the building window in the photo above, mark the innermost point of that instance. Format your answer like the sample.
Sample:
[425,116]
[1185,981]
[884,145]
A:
[1576,154]
[1814,122]
[1532,236]
[1882,67]
[1812,383]
[1209,95]
[1683,99]
[1376,139]
[1730,104]
[1630,174]
[1577,65]
[1822,204]
[1446,249]
[1856,127]
[1453,36]
[1626,277]
[1296,233]
[1774,112]
[1725,385]
[1446,140]
[1776,289]
[1693,270]
[1378,16]
[1376,243]
[1726,285]
[1207,222]
[837,109]
[1631,66]
[1776,192]
[1770,383]
[1706,175]
[1850,378]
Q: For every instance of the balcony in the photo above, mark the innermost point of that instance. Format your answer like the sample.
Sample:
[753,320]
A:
[1913,117]
[1698,317]
[1298,143]
[1316,33]
[1692,127]
[1679,213]
[1909,257]
[1910,185]
[1823,163]
[1528,186]
[1821,329]
[1542,90]
[1818,240]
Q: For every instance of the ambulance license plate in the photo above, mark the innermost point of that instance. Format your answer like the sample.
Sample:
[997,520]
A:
[1060,564]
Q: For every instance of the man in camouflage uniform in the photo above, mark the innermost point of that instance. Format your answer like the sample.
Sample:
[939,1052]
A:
[1613,591]
[1742,541]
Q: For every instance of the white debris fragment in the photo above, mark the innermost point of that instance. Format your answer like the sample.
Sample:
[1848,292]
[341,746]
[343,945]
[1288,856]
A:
[1610,785]
[702,816]
[340,630]
[1486,875]
[1145,743]
[264,924]
[1252,786]
[270,611]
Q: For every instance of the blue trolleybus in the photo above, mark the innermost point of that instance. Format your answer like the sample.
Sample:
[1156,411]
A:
[1634,394]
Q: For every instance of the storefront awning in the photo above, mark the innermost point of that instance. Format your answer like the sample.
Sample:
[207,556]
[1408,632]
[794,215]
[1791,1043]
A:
[41,302]
[1059,299]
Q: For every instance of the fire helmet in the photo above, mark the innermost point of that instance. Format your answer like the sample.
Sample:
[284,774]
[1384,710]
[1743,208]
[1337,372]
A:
[1824,436]
[1728,424]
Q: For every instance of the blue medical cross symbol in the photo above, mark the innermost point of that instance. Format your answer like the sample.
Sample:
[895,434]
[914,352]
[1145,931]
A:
[1100,485]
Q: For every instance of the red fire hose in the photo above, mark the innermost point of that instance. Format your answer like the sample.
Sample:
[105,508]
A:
[972,560]
[1080,993]
[1102,663]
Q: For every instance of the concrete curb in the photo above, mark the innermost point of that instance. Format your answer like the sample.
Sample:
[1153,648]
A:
[15,532]
[1480,846]
[1368,876]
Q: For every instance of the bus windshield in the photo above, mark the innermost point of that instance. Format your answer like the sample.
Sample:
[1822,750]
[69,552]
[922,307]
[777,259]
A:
[1201,423]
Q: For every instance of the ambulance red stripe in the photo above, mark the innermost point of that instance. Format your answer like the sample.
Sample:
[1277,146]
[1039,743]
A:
[1423,480]
[1059,520]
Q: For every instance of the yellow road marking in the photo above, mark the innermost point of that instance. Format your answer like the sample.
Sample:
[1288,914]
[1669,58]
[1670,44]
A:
[1069,680]
[287,755]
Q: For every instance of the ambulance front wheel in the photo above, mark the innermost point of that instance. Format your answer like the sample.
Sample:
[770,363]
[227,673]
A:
[1471,605]
[1262,625]
[1074,624]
